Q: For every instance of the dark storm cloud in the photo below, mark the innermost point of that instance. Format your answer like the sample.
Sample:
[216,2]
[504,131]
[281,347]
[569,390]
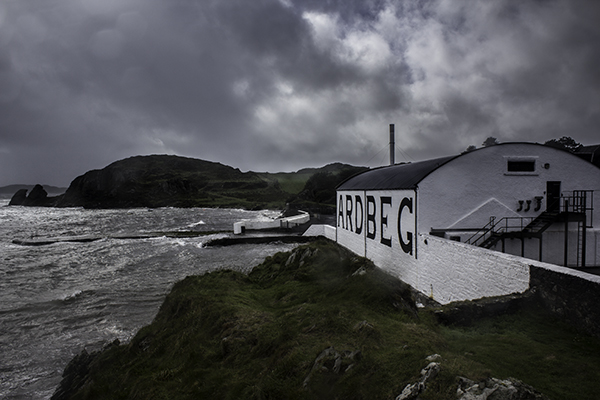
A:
[284,84]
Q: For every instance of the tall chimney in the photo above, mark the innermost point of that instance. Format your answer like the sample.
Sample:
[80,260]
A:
[392,145]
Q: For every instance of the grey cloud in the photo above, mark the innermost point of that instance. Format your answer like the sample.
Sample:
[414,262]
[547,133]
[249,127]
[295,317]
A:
[279,85]
[350,11]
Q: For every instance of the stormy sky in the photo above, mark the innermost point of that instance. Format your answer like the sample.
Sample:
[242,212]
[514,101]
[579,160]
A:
[278,85]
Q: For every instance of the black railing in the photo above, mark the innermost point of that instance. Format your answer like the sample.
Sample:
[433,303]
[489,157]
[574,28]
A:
[579,201]
[497,227]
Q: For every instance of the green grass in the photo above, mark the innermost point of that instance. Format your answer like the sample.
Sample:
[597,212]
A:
[289,182]
[225,335]
[532,346]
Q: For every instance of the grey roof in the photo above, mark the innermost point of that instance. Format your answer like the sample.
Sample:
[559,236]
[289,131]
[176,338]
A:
[590,153]
[399,176]
[588,149]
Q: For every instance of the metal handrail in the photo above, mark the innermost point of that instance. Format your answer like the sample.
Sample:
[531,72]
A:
[500,226]
[486,228]
[578,202]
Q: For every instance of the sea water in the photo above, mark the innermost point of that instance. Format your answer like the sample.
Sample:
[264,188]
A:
[61,298]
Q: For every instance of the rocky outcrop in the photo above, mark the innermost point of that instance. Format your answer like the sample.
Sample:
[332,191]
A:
[413,390]
[76,372]
[496,389]
[38,197]
[74,375]
[488,389]
[330,365]
[18,198]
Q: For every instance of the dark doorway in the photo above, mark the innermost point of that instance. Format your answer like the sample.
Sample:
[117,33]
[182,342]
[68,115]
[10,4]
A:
[553,196]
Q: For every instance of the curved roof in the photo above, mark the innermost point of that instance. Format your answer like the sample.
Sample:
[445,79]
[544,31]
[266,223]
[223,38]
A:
[399,176]
[408,176]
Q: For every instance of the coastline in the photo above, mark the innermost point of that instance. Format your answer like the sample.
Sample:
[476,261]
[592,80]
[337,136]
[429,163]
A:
[280,331]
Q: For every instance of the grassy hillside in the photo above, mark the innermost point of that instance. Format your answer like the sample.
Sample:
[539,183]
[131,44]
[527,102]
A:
[321,323]
[173,181]
[314,188]
[161,180]
[290,182]
[325,178]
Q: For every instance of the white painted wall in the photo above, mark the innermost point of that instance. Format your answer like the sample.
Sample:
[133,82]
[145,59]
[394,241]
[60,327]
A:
[452,271]
[463,194]
[346,222]
[379,236]
[462,186]
[379,222]
[447,270]
[287,222]
[466,191]
[327,231]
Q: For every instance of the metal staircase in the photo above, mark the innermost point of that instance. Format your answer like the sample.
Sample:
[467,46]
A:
[542,222]
[506,227]
[574,208]
[491,240]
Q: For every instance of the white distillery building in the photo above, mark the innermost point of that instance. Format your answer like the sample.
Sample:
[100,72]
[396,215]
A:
[521,199]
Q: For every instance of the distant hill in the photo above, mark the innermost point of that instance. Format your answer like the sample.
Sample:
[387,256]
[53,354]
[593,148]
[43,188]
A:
[174,181]
[163,180]
[320,179]
[319,189]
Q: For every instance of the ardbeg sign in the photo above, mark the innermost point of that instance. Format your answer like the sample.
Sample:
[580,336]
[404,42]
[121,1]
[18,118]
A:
[384,217]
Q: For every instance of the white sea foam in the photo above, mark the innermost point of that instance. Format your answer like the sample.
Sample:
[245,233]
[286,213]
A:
[71,296]
[196,224]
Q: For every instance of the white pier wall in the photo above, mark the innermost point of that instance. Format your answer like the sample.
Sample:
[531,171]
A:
[326,231]
[287,222]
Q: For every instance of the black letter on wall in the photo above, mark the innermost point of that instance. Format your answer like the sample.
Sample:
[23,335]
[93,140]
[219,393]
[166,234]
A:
[341,211]
[349,212]
[385,200]
[406,246]
[358,200]
[371,217]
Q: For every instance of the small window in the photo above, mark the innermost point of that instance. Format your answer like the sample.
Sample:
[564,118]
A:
[521,166]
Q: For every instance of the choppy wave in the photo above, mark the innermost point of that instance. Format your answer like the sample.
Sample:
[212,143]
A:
[56,300]
[72,296]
